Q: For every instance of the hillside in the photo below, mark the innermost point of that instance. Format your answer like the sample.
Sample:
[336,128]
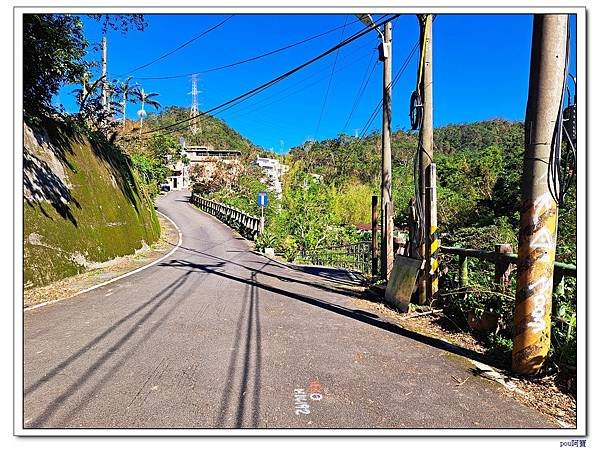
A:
[479,170]
[82,205]
[213,132]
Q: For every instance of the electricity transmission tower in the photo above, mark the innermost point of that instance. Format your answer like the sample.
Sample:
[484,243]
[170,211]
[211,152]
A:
[194,123]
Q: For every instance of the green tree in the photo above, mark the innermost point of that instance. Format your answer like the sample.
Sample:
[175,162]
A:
[54,47]
[307,210]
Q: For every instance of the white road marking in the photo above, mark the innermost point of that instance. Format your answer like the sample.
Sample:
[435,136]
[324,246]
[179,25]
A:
[120,277]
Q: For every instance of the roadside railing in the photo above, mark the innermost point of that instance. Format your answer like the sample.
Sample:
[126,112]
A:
[504,263]
[352,256]
[247,225]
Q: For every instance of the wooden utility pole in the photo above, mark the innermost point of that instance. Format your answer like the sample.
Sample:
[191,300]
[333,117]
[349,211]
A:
[387,212]
[427,289]
[539,214]
[104,80]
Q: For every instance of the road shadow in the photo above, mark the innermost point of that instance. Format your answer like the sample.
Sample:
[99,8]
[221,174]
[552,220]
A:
[342,290]
[344,276]
[355,314]
[250,374]
[76,386]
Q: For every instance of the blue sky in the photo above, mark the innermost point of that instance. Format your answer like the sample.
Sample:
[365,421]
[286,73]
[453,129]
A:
[481,70]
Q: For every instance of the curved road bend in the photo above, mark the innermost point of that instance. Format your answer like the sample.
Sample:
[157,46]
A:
[217,336]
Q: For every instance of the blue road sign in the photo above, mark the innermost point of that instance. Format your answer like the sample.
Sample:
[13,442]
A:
[262,199]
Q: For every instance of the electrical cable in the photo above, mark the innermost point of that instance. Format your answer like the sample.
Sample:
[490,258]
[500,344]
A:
[244,61]
[560,178]
[394,81]
[362,88]
[275,80]
[185,44]
[329,84]
[416,119]
[261,105]
[416,102]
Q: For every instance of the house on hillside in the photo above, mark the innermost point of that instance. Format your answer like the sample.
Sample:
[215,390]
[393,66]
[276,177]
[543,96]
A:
[203,156]
[273,170]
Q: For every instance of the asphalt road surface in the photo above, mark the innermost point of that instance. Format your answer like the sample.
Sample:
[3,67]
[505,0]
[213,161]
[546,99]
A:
[216,336]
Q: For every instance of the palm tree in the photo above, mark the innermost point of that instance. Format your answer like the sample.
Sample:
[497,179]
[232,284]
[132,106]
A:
[87,91]
[128,90]
[149,99]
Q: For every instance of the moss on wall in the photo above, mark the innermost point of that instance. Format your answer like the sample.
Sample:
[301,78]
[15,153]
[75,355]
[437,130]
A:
[82,206]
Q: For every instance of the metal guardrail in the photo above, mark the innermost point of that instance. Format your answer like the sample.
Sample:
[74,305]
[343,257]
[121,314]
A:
[352,256]
[246,224]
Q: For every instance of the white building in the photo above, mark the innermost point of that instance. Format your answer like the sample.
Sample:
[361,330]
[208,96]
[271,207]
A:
[273,170]
[197,154]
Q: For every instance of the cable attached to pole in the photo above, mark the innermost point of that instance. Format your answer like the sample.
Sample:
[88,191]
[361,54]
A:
[562,167]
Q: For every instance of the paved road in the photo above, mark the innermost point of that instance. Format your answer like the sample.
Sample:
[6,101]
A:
[218,336]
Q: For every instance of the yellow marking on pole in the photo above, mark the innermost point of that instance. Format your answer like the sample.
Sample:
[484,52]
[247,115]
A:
[435,245]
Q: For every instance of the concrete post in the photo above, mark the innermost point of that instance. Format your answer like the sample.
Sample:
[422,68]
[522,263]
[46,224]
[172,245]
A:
[538,225]
[374,249]
[104,75]
[387,215]
[502,270]
[463,267]
[426,151]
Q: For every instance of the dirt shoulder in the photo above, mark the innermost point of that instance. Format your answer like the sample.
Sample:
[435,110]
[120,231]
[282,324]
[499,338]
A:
[68,287]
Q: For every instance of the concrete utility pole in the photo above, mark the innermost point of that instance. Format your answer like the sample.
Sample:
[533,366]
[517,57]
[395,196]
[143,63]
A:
[387,211]
[104,81]
[427,178]
[539,214]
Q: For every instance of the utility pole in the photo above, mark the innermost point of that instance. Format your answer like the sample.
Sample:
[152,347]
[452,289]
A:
[142,112]
[104,81]
[539,213]
[427,178]
[194,127]
[387,211]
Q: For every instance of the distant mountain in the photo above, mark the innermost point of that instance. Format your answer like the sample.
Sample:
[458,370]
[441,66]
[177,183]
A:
[213,132]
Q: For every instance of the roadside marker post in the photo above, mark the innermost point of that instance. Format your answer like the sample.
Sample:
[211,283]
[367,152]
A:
[262,200]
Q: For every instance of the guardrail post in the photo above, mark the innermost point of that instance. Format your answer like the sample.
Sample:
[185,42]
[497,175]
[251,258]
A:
[374,248]
[463,277]
[502,268]
[559,282]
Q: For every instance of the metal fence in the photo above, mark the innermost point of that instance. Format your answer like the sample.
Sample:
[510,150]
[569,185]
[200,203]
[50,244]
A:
[352,256]
[247,225]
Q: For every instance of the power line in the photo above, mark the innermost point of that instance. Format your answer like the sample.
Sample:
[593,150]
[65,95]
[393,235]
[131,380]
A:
[185,44]
[361,89]
[329,84]
[261,105]
[270,83]
[394,81]
[244,61]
